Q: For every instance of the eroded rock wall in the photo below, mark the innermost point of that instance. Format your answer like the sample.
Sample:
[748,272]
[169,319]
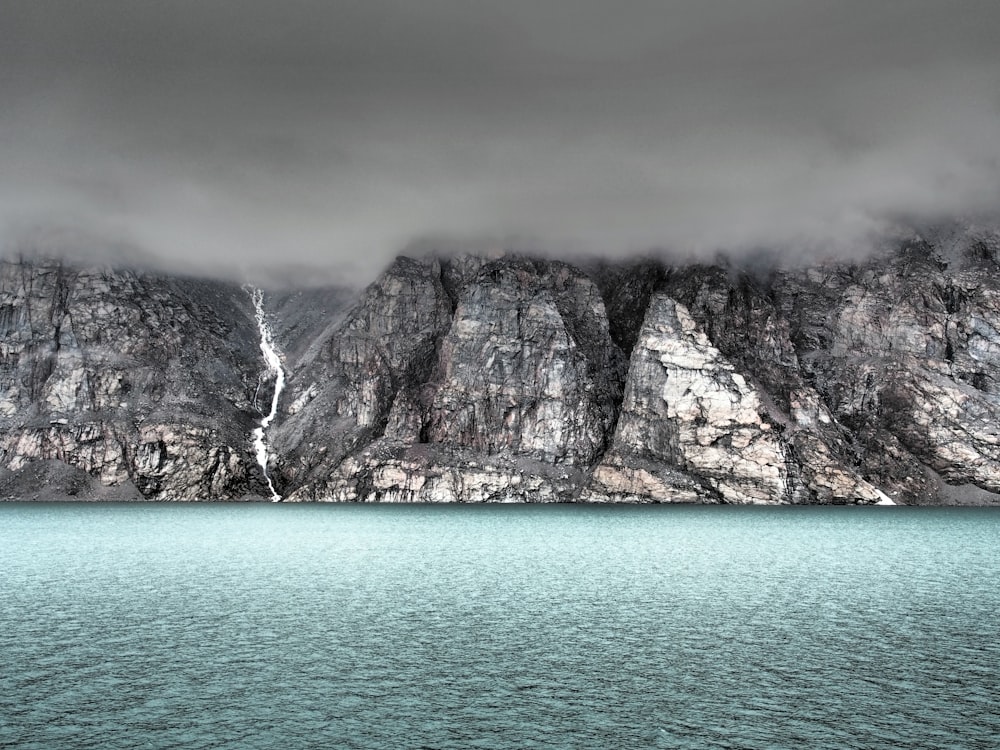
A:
[844,383]
[513,379]
[138,380]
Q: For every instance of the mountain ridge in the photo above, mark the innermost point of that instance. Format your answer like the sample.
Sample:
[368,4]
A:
[514,378]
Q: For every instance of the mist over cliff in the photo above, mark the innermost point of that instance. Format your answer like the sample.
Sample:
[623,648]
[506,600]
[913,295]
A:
[316,141]
[472,378]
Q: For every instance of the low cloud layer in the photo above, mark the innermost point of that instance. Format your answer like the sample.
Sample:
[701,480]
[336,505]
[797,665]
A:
[248,137]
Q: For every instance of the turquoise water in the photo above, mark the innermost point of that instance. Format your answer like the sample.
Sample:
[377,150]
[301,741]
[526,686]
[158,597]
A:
[268,626]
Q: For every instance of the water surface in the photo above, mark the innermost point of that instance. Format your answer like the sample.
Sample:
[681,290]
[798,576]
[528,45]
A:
[264,626]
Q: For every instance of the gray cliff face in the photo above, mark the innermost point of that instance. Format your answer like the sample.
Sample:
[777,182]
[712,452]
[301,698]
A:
[473,379]
[527,366]
[139,381]
[688,408]
[360,378]
[906,358]
[517,388]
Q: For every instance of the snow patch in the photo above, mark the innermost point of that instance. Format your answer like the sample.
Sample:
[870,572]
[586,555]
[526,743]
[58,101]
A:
[884,499]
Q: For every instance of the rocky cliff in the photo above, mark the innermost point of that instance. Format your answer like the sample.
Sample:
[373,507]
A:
[516,379]
[139,382]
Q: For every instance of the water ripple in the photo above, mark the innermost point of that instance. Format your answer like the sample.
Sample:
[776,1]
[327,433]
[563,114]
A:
[513,627]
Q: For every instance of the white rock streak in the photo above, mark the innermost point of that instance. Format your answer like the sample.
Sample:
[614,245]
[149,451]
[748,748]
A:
[273,367]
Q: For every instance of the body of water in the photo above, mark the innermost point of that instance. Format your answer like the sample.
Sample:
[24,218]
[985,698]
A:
[270,626]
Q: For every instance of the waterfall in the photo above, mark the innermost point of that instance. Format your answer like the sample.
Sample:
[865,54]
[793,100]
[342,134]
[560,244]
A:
[273,362]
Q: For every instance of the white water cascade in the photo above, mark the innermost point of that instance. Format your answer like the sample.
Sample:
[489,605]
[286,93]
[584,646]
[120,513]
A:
[273,367]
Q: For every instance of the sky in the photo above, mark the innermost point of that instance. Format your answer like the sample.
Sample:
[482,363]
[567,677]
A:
[320,138]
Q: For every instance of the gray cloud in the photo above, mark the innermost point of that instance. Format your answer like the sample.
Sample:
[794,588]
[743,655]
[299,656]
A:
[236,137]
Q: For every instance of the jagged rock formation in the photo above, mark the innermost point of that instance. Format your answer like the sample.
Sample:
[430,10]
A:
[134,379]
[475,379]
[359,376]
